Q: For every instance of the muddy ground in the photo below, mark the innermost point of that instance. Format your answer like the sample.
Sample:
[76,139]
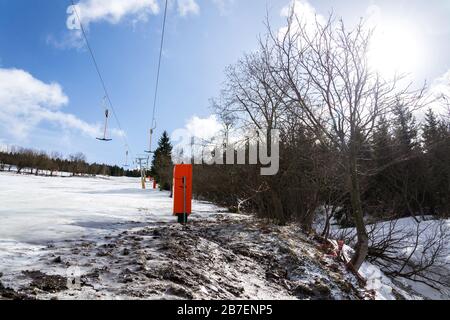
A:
[226,257]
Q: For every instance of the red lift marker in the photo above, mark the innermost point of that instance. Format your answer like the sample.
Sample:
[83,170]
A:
[182,191]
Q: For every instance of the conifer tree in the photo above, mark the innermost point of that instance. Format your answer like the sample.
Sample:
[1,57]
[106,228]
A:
[405,131]
[162,164]
[430,131]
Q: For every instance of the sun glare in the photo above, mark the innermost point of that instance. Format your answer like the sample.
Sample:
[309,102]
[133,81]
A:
[395,48]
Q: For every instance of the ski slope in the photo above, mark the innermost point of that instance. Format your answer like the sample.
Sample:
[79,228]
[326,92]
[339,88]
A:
[36,211]
[41,209]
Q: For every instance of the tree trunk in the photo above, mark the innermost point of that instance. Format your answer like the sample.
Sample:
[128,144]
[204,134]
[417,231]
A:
[362,245]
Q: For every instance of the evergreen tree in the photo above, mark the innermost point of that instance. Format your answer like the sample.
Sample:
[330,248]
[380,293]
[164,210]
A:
[405,131]
[380,193]
[435,144]
[408,176]
[431,131]
[382,144]
[162,164]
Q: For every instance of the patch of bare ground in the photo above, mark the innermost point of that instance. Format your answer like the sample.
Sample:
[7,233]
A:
[228,257]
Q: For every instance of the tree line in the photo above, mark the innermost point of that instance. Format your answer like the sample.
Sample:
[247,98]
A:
[42,163]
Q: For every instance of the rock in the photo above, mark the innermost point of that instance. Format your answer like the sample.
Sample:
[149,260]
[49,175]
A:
[126,252]
[317,291]
[345,287]
[127,276]
[94,274]
[204,290]
[57,260]
[323,290]
[103,253]
[179,292]
[303,291]
[156,233]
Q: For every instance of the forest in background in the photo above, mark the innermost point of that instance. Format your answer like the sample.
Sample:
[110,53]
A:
[42,163]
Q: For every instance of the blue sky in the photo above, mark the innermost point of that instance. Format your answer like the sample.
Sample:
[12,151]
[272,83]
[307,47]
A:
[50,96]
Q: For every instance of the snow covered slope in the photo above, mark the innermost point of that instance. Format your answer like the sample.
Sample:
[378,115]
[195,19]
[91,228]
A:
[113,240]
[36,210]
[40,209]
[416,240]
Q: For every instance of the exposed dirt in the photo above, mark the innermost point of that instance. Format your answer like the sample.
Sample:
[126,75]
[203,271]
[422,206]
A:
[46,283]
[228,257]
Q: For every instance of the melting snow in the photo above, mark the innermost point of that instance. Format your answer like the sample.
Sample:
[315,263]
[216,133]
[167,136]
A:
[125,244]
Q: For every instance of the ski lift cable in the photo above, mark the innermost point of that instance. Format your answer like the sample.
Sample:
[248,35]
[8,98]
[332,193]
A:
[94,60]
[153,124]
[159,63]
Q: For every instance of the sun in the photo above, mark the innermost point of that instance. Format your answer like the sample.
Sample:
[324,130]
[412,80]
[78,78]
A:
[395,49]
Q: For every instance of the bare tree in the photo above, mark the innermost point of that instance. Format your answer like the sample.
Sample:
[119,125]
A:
[78,163]
[325,79]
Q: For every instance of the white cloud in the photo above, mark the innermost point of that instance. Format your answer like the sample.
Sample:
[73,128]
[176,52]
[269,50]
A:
[94,11]
[305,13]
[440,94]
[73,39]
[442,84]
[187,7]
[112,11]
[116,11]
[26,102]
[203,128]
